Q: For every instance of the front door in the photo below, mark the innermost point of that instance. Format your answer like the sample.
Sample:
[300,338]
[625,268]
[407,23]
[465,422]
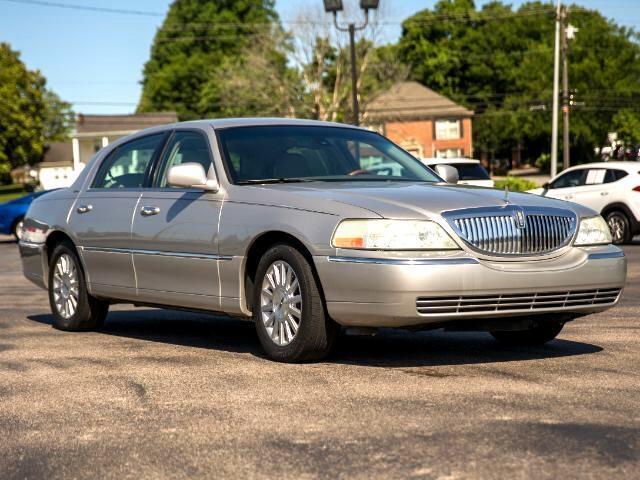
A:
[175,233]
[102,214]
[565,186]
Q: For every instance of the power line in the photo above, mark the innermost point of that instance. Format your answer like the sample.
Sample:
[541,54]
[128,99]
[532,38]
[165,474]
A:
[73,6]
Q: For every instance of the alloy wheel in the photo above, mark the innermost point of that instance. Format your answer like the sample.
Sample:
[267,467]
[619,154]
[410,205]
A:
[618,227]
[65,286]
[281,303]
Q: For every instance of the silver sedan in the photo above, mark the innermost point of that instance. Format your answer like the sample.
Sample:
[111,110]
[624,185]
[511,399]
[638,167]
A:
[296,225]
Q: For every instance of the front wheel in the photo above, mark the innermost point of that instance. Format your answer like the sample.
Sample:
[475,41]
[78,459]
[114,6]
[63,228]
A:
[74,309]
[17,229]
[288,309]
[620,227]
[537,335]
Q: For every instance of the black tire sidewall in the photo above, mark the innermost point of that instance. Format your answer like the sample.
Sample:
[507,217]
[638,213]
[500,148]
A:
[626,238]
[82,318]
[311,340]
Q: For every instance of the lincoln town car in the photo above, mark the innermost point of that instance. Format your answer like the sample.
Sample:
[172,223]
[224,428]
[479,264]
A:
[308,229]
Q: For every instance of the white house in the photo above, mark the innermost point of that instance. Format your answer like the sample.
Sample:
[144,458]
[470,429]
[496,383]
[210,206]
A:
[63,161]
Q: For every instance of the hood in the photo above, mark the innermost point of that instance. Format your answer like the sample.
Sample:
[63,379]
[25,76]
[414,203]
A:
[409,200]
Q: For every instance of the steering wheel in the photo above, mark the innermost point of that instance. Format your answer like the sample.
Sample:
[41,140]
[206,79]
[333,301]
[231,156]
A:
[358,172]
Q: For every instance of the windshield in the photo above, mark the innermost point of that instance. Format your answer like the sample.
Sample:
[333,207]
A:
[315,153]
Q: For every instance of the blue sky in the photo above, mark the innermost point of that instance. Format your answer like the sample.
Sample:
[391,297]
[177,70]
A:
[91,57]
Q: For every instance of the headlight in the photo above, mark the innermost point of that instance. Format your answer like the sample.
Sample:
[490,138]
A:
[593,231]
[392,235]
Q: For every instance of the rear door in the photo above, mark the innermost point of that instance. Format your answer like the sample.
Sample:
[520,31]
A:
[101,217]
[175,232]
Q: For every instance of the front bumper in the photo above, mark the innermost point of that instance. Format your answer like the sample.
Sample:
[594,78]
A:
[378,291]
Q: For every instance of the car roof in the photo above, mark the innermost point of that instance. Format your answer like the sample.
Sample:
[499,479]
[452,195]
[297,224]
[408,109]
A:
[218,123]
[627,166]
[438,161]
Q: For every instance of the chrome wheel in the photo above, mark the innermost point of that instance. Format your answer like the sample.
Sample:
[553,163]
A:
[65,286]
[281,303]
[618,228]
[17,230]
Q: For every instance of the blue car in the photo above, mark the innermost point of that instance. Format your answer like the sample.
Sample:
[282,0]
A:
[13,211]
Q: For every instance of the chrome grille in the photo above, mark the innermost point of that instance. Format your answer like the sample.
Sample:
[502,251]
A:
[516,302]
[513,230]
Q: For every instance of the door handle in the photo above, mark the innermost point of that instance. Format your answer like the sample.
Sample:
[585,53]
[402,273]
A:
[604,193]
[84,208]
[148,211]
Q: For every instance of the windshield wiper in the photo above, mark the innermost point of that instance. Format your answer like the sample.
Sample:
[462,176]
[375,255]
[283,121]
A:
[260,181]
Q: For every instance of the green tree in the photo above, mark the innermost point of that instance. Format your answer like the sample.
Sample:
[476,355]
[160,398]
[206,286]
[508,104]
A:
[498,61]
[30,115]
[197,40]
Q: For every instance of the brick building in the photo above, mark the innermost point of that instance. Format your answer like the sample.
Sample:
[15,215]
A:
[421,121]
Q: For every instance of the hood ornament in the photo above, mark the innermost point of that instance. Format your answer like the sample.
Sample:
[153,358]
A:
[506,195]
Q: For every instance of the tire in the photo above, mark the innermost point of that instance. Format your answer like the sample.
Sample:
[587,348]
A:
[620,227]
[291,321]
[538,335]
[66,277]
[17,229]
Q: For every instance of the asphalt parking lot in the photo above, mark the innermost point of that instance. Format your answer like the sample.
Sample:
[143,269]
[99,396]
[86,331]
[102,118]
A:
[161,394]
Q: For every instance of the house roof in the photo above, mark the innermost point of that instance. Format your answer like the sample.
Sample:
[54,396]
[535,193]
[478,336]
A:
[122,123]
[413,101]
[57,154]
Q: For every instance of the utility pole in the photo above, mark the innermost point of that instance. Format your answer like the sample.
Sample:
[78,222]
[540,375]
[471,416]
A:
[565,93]
[554,113]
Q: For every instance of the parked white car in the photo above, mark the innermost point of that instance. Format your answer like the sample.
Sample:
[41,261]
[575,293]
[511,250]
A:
[470,172]
[611,188]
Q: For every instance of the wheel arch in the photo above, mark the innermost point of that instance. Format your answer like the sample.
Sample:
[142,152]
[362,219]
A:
[259,247]
[621,207]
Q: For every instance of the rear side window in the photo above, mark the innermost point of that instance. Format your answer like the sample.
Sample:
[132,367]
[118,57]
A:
[471,171]
[126,167]
[614,175]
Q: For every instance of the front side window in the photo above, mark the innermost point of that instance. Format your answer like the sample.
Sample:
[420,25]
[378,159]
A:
[126,167]
[314,153]
[449,153]
[574,178]
[447,129]
[184,147]
[471,171]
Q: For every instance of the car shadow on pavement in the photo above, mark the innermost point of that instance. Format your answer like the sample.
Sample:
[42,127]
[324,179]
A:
[389,349]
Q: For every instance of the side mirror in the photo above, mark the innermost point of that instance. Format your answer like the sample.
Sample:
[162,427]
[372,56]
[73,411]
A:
[448,173]
[546,185]
[191,175]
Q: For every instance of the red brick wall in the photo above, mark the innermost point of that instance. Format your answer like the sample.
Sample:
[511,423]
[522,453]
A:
[422,133]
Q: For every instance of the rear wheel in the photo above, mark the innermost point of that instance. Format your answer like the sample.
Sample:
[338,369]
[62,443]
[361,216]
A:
[537,335]
[620,227]
[72,306]
[288,309]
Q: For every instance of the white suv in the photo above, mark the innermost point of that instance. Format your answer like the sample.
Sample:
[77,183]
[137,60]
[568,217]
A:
[611,188]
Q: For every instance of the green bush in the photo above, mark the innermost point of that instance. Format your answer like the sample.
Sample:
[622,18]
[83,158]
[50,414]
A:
[544,162]
[516,184]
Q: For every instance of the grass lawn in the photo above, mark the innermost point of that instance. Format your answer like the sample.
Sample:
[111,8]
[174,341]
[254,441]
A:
[5,197]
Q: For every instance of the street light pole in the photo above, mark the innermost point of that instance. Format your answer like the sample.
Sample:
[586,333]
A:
[354,75]
[334,6]
[565,93]
[554,113]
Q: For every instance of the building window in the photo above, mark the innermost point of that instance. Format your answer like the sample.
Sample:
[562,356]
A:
[448,129]
[413,147]
[449,153]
